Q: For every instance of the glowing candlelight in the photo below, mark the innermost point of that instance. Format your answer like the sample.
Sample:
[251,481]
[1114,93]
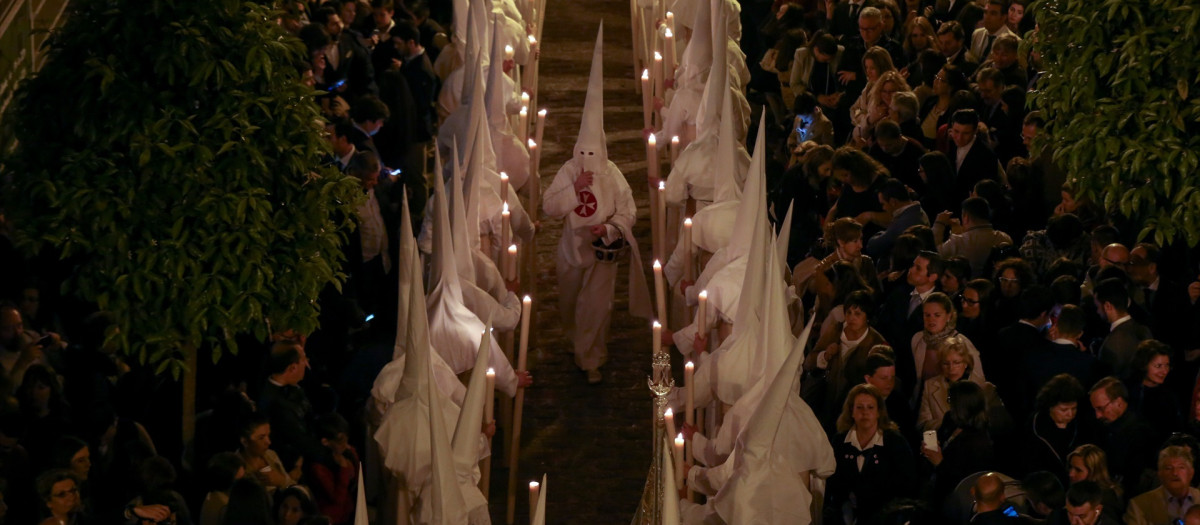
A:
[659,291]
[512,263]
[656,330]
[647,97]
[702,322]
[688,268]
[674,149]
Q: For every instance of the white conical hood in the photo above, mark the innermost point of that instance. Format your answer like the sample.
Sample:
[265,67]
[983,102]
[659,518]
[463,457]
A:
[443,275]
[539,513]
[697,56]
[463,257]
[446,498]
[416,326]
[470,419]
[481,148]
[724,185]
[591,148]
[473,57]
[360,506]
[460,16]
[718,82]
[783,240]
[752,211]
[497,95]
[406,280]
[782,441]
[670,504]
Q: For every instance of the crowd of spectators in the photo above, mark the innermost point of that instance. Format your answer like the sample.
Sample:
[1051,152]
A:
[90,436]
[976,315]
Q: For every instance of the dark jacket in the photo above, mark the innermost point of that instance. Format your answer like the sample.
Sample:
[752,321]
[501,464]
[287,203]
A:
[888,472]
[289,411]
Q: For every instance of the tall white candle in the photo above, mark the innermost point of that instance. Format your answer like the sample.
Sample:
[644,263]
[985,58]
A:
[526,306]
[647,99]
[534,488]
[657,74]
[662,219]
[679,460]
[508,52]
[541,125]
[503,187]
[489,409]
[534,158]
[669,421]
[659,291]
[523,119]
[652,159]
[669,54]
[688,268]
[512,263]
[505,226]
[702,306]
[656,332]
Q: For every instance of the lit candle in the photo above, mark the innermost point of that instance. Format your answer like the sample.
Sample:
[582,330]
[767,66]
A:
[541,125]
[504,187]
[489,409]
[659,293]
[689,371]
[525,98]
[647,97]
[702,309]
[657,74]
[533,497]
[652,159]
[662,218]
[671,22]
[512,263]
[526,305]
[669,59]
[669,421]
[534,157]
[679,460]
[523,131]
[656,330]
[674,149]
[508,52]
[687,249]
[505,228]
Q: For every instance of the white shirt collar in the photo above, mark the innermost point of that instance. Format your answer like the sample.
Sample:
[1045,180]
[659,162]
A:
[1063,341]
[852,438]
[1118,322]
[1154,285]
[346,160]
[853,343]
[924,295]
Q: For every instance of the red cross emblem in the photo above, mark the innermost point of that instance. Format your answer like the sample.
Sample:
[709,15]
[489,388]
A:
[587,204]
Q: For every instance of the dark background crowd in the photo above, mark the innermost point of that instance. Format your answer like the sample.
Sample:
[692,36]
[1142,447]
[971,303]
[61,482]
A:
[976,315]
[90,436]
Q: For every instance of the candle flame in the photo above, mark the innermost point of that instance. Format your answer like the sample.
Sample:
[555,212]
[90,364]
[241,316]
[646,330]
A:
[657,56]
[542,114]
[533,485]
[512,248]
[662,186]
[505,209]
[532,144]
[527,299]
[657,265]
[651,140]
[675,140]
[525,96]
[524,111]
[645,74]
[656,325]
[532,40]
[687,223]
[704,294]
[669,413]
[491,372]
[679,440]
[669,34]
[508,49]
[503,176]
[690,366]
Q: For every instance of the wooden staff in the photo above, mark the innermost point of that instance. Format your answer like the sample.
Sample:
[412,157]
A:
[518,408]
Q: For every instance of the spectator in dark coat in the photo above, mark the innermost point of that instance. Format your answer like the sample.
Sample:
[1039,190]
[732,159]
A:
[286,405]
[1127,440]
[874,462]
[965,446]
[1054,430]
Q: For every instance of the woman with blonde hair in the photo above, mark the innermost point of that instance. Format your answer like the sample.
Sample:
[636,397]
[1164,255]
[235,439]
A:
[918,37]
[874,461]
[1090,463]
[938,329]
[957,363]
[879,101]
[876,62]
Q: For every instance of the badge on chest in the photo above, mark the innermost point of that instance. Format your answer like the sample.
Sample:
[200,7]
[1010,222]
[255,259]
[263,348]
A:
[587,204]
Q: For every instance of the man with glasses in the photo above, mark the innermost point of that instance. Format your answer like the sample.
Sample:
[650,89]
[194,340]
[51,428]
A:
[850,67]
[1127,440]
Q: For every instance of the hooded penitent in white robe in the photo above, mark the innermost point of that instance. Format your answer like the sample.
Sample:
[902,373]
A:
[469,443]
[454,329]
[511,156]
[585,284]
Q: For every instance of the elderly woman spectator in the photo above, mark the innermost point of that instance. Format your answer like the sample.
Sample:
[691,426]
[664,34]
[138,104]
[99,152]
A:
[904,109]
[1054,430]
[840,355]
[957,364]
[59,493]
[874,462]
[1148,397]
[879,102]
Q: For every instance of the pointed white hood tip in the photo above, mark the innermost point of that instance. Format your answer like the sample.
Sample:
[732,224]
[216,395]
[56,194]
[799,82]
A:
[446,496]
[443,270]
[718,79]
[460,17]
[697,56]
[783,240]
[360,506]
[751,208]
[670,504]
[724,185]
[418,360]
[496,94]
[406,280]
[470,419]
[481,138]
[463,260]
[591,127]
[539,513]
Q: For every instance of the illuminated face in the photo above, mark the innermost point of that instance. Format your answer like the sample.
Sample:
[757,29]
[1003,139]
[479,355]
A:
[870,30]
[935,317]
[856,320]
[851,249]
[954,367]
[970,303]
[1157,370]
[884,379]
[963,134]
[871,69]
[1015,13]
[866,411]
[1078,471]
[949,44]
[1003,58]
[259,441]
[1010,284]
[886,91]
[918,39]
[1086,514]
[1175,475]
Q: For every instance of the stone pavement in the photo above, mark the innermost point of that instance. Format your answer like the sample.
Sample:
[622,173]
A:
[592,440]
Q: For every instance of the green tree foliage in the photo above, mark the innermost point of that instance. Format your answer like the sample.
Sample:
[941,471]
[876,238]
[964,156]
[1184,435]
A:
[1120,96]
[169,151]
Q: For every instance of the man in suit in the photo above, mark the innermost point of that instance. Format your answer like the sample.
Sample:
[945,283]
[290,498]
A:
[994,26]
[844,17]
[423,84]
[1127,440]
[1004,58]
[903,211]
[950,38]
[1162,299]
[973,159]
[1063,354]
[1112,300]
[901,314]
[1003,134]
[1171,501]
[1018,344]
[367,116]
[345,58]
[339,133]
[286,405]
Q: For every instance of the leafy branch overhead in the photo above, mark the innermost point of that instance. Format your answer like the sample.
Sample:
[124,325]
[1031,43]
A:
[1120,95]
[169,152]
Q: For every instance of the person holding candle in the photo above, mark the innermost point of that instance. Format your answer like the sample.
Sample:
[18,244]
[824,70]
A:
[590,193]
[874,462]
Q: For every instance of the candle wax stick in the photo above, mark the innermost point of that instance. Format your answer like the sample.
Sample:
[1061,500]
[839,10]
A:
[660,294]
[647,99]
[504,187]
[674,149]
[669,54]
[657,74]
[541,125]
[523,119]
[689,371]
[489,409]
[526,307]
[679,460]
[669,421]
[656,333]
[505,226]
[534,488]
[688,264]
[702,312]
[652,159]
[533,158]
[512,262]
[662,218]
